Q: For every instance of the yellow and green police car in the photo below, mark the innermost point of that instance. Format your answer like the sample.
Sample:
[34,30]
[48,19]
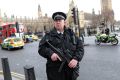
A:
[12,42]
[34,37]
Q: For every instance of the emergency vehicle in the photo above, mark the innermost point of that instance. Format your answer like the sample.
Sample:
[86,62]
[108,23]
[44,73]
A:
[11,29]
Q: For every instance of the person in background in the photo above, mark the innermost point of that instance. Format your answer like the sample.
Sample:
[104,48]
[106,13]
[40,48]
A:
[107,31]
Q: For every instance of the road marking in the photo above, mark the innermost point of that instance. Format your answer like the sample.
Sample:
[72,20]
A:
[27,60]
[15,75]
[17,64]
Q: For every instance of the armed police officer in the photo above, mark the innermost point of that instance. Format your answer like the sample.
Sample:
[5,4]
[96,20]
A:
[63,39]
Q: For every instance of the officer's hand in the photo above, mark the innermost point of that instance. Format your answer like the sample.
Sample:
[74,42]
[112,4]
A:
[55,57]
[73,63]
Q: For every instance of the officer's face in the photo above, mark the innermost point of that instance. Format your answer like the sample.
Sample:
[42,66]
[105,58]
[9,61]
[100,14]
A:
[59,24]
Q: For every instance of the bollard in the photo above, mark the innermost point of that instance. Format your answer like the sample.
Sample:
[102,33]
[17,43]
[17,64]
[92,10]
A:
[6,69]
[29,73]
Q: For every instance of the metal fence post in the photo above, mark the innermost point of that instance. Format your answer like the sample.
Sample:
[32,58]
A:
[6,69]
[29,73]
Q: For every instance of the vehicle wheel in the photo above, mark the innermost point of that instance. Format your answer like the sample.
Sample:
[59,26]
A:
[97,42]
[8,48]
[114,42]
[22,47]
[2,47]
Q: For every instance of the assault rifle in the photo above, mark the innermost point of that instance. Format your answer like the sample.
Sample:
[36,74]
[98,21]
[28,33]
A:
[65,57]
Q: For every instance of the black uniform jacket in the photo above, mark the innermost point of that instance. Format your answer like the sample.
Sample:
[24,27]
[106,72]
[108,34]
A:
[73,44]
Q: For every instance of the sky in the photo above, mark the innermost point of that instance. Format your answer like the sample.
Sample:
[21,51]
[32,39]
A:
[29,8]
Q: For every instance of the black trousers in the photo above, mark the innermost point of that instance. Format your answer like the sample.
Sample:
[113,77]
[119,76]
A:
[53,74]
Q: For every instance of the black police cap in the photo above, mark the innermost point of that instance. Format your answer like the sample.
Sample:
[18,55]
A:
[59,16]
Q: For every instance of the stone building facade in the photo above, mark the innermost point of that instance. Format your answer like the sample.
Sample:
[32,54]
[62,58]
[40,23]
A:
[107,14]
[40,24]
[87,21]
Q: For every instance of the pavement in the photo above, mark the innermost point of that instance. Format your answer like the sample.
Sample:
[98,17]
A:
[15,76]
